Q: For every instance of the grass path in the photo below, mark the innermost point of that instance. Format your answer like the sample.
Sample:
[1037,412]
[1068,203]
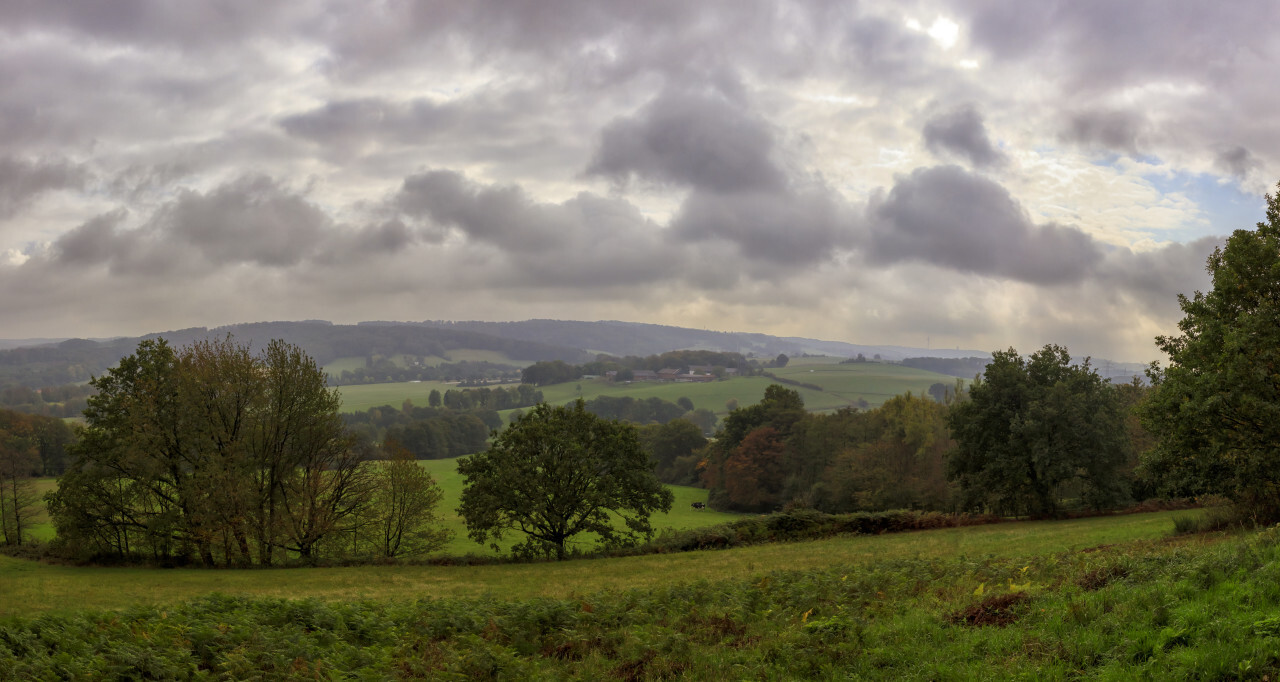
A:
[32,588]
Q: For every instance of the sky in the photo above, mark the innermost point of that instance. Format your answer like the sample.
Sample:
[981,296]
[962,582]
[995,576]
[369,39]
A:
[977,174]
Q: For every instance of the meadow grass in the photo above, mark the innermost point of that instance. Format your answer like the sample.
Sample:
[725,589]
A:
[33,588]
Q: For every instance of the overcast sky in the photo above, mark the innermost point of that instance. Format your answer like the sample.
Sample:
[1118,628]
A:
[980,174]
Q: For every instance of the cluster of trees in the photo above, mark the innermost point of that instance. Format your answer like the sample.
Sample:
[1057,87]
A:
[30,446]
[67,400]
[775,453]
[1035,434]
[216,455]
[426,432]
[652,410]
[1035,431]
[486,398]
[675,450]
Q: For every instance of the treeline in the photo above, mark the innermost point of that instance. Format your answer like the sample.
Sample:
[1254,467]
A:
[385,371]
[774,454]
[214,455]
[557,372]
[637,411]
[1038,437]
[426,432]
[67,400]
[486,397]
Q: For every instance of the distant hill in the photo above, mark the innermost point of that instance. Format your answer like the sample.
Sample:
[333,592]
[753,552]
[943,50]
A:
[635,338]
[73,360]
[77,360]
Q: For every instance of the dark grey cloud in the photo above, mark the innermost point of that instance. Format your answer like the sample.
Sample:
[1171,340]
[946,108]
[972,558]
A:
[948,216]
[700,140]
[249,220]
[502,216]
[1117,131]
[961,132]
[148,21]
[1097,44]
[586,241]
[788,229]
[95,242]
[1156,277]
[1237,161]
[22,181]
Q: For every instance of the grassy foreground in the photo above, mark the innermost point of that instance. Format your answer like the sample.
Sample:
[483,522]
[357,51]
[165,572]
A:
[32,588]
[1194,608]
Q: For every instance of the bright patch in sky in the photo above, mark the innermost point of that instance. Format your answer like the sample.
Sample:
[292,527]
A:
[1227,208]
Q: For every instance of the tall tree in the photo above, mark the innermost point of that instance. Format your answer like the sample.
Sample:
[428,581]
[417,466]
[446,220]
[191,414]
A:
[1030,427]
[557,472]
[402,511]
[18,498]
[1216,408]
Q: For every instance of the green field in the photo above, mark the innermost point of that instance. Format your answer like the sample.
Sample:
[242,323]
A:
[361,397]
[842,386]
[32,588]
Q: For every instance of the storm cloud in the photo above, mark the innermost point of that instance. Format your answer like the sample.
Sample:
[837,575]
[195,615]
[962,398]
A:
[960,132]
[696,140]
[947,216]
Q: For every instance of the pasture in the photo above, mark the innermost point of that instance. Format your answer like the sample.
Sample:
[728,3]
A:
[361,397]
[841,386]
[32,588]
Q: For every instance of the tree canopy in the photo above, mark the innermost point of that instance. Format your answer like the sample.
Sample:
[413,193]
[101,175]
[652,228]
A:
[557,472]
[1035,430]
[213,454]
[1215,409]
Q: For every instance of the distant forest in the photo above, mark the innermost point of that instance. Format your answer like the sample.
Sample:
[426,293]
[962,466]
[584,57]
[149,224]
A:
[76,360]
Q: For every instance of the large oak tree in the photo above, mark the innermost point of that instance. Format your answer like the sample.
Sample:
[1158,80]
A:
[1216,407]
[1035,430]
[557,472]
